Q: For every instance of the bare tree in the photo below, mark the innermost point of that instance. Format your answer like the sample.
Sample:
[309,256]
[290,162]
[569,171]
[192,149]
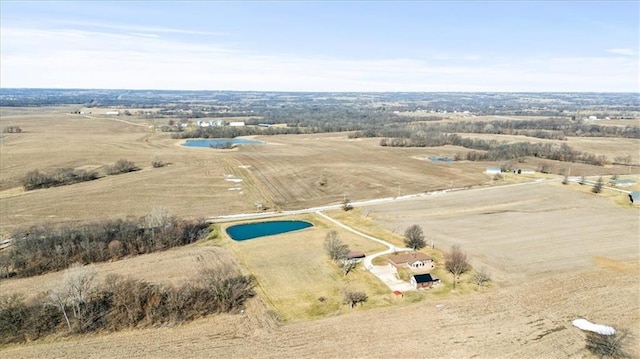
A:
[456,263]
[354,297]
[59,299]
[222,276]
[608,346]
[346,205]
[625,160]
[74,292]
[158,217]
[414,237]
[482,276]
[348,266]
[79,283]
[597,188]
[334,247]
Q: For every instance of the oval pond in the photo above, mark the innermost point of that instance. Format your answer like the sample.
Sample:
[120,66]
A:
[220,142]
[241,232]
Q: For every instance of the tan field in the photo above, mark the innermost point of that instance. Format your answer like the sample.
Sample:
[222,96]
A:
[556,253]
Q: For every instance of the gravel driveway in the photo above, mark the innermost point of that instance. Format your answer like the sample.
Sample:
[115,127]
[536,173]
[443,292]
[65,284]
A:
[387,275]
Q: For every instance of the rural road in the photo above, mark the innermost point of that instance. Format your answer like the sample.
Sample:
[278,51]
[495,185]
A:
[364,203]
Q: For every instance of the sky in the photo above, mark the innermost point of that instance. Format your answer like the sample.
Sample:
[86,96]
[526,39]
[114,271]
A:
[371,46]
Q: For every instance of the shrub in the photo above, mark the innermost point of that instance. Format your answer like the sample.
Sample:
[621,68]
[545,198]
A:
[36,179]
[60,177]
[157,163]
[229,288]
[608,346]
[12,129]
[122,166]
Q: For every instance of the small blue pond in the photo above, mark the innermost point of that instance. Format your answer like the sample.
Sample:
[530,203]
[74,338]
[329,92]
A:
[441,159]
[220,142]
[246,231]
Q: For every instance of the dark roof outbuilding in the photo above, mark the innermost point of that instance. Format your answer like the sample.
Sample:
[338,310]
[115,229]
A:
[424,278]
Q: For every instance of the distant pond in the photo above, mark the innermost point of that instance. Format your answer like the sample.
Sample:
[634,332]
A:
[242,232]
[220,142]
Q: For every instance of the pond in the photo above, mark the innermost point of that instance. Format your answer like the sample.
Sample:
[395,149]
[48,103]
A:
[246,231]
[441,159]
[220,142]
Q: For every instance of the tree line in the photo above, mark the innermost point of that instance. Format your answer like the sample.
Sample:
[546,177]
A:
[45,248]
[66,176]
[552,128]
[82,305]
[494,150]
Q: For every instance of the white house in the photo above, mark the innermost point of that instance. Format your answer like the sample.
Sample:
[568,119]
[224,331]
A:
[236,124]
[113,113]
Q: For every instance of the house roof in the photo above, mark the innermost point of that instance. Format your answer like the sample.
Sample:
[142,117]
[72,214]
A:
[355,254]
[409,258]
[424,278]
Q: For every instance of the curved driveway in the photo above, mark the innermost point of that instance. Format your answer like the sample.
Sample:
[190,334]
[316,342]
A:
[387,274]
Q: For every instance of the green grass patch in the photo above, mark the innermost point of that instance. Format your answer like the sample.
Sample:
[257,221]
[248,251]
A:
[295,275]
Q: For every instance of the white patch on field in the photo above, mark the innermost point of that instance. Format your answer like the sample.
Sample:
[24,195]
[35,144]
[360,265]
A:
[592,327]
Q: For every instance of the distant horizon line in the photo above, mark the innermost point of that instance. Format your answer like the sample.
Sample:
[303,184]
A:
[298,91]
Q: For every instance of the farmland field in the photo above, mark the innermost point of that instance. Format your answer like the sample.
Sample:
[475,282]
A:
[555,252]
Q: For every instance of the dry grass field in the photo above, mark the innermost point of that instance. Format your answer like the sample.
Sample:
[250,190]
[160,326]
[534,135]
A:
[524,231]
[556,253]
[532,320]
[285,173]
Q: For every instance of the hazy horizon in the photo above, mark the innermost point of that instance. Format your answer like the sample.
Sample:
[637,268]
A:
[322,46]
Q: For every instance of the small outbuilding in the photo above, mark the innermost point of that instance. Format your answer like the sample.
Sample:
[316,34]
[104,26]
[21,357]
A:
[355,256]
[424,281]
[493,170]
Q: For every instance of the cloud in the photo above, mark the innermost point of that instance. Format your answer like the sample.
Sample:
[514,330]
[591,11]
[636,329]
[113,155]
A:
[622,51]
[141,59]
[132,28]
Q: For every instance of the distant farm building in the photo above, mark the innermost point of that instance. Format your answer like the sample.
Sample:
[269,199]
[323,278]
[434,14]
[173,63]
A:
[414,260]
[423,281]
[209,123]
[236,124]
[493,170]
[634,198]
[113,113]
